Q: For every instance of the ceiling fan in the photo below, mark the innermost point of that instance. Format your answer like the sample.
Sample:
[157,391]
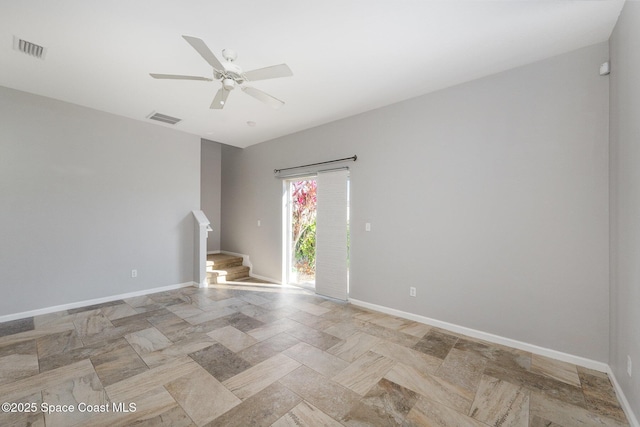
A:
[232,75]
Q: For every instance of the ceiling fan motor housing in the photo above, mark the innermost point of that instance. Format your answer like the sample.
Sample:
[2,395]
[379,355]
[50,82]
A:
[232,71]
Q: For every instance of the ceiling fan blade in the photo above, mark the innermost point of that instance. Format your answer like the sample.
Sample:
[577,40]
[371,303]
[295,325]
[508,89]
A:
[272,72]
[179,77]
[220,99]
[204,51]
[262,96]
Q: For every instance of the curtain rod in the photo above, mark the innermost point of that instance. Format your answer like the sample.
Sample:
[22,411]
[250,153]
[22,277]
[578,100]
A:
[311,174]
[354,158]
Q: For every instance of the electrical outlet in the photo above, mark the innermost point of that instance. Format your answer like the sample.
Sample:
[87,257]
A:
[134,274]
[629,366]
[412,291]
[259,223]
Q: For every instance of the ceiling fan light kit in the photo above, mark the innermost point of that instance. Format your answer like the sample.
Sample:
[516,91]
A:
[228,84]
[231,75]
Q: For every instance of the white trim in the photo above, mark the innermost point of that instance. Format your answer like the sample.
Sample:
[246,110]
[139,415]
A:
[85,303]
[284,264]
[213,252]
[554,354]
[631,417]
[268,279]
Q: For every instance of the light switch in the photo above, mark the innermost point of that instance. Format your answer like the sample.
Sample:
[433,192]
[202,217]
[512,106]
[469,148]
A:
[367,226]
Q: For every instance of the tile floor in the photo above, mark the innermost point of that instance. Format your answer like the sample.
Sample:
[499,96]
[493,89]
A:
[259,355]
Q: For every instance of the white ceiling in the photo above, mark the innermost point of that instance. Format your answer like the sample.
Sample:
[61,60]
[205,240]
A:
[347,56]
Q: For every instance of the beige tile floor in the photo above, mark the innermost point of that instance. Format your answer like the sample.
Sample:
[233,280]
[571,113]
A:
[260,355]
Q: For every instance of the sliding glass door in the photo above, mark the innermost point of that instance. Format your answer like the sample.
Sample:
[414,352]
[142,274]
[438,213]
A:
[301,231]
[316,236]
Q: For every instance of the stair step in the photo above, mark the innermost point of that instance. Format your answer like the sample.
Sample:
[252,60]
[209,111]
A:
[223,261]
[228,274]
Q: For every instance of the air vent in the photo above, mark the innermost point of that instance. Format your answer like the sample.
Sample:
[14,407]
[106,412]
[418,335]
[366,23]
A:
[163,118]
[29,48]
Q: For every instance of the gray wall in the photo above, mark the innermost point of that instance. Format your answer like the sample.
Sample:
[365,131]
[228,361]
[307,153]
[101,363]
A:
[210,189]
[491,198]
[625,202]
[85,197]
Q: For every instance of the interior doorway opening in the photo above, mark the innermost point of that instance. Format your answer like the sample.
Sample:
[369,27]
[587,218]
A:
[301,231]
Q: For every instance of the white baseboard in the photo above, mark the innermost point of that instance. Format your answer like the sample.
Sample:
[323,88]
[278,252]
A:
[94,301]
[213,252]
[268,279]
[631,417]
[554,354]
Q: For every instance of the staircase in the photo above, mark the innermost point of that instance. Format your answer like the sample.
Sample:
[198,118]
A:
[223,268]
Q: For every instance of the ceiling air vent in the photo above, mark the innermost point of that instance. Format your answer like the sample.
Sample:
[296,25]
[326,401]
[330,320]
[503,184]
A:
[29,48]
[163,118]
